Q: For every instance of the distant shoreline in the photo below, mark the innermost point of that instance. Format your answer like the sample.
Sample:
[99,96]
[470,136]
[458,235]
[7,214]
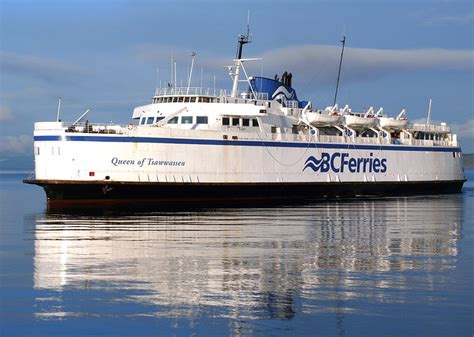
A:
[468,160]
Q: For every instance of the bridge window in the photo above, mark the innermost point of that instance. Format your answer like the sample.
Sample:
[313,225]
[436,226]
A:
[143,120]
[159,119]
[225,121]
[254,122]
[245,122]
[150,120]
[186,99]
[235,121]
[201,120]
[187,120]
[173,120]
[180,99]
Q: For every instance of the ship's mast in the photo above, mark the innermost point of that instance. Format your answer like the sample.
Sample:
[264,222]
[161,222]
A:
[243,39]
[339,72]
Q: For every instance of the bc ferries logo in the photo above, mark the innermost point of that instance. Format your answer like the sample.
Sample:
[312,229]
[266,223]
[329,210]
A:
[342,162]
[281,92]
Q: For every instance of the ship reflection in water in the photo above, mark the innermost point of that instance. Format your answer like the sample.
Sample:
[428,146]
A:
[338,258]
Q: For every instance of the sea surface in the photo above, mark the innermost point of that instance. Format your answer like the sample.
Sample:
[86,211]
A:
[374,267]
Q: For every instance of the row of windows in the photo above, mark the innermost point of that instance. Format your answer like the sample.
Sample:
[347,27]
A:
[181,99]
[150,120]
[189,120]
[236,121]
[226,121]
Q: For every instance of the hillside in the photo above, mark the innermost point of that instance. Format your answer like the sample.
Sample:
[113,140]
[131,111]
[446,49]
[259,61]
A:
[469,160]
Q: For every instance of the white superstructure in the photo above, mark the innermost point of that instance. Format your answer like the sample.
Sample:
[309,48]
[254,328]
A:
[260,142]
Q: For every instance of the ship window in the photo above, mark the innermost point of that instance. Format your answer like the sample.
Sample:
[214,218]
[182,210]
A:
[37,150]
[173,120]
[254,122]
[149,120]
[201,119]
[143,120]
[225,121]
[245,122]
[187,120]
[186,99]
[159,119]
[205,99]
[180,99]
[235,121]
[175,99]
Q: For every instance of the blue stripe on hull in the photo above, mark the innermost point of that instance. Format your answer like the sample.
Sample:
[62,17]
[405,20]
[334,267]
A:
[120,139]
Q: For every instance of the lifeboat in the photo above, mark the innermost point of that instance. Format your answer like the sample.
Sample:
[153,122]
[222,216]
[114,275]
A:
[355,121]
[390,123]
[322,119]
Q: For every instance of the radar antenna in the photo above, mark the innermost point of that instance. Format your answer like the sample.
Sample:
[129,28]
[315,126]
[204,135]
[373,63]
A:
[244,39]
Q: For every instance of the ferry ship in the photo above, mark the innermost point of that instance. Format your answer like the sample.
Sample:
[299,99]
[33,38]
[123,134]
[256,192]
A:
[259,143]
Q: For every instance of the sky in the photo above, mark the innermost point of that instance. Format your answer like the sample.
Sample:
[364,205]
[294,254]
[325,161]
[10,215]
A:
[108,56]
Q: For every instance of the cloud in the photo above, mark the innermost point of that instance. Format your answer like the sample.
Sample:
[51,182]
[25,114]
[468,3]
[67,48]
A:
[162,55]
[319,63]
[464,130]
[45,69]
[467,18]
[22,144]
[365,63]
[6,113]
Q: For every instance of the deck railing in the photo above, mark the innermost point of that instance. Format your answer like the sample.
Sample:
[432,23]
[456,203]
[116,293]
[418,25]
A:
[96,128]
[430,128]
[285,136]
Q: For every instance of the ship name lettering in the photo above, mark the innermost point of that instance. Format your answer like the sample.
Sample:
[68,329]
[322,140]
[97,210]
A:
[115,161]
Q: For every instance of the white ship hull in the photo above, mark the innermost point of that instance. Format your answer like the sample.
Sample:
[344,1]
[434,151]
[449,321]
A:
[163,163]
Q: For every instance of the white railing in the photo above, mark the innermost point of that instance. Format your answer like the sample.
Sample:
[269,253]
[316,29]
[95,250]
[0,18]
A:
[425,142]
[285,136]
[198,91]
[429,127]
[189,91]
[96,128]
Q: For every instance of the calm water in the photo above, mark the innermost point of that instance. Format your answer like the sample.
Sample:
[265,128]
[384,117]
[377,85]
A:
[390,267]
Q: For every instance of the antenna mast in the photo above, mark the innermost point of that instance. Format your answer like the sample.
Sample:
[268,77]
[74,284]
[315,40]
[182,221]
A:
[59,109]
[243,39]
[193,54]
[428,119]
[339,72]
